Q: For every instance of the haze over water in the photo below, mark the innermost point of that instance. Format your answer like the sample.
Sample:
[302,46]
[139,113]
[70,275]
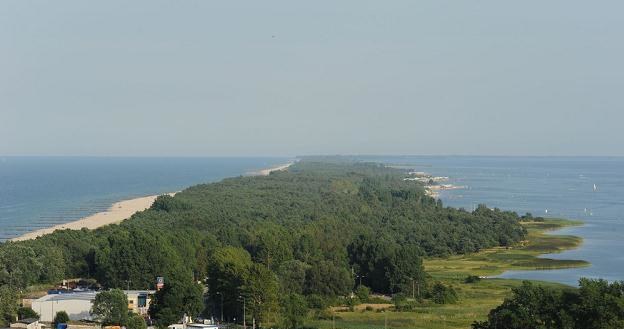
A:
[561,185]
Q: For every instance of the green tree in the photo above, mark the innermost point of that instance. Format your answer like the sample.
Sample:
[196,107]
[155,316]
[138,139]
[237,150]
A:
[227,273]
[111,307]
[362,292]
[294,311]
[8,305]
[60,317]
[261,291]
[441,294]
[292,275]
[19,265]
[176,299]
[26,313]
[136,321]
[325,278]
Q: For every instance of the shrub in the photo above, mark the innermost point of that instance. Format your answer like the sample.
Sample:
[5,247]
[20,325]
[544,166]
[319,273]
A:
[61,317]
[441,294]
[472,279]
[362,293]
[26,312]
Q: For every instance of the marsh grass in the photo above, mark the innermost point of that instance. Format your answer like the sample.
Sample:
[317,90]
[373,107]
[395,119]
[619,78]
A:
[475,299]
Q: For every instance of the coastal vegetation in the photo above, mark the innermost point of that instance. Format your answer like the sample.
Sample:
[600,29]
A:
[289,248]
[473,278]
[597,304]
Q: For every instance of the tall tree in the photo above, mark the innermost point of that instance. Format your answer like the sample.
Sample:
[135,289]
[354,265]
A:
[111,307]
[175,300]
[294,311]
[8,305]
[261,293]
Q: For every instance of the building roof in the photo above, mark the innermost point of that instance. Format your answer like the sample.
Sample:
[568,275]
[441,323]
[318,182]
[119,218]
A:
[88,295]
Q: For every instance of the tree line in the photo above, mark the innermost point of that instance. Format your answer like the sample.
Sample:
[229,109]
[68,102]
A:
[280,244]
[596,304]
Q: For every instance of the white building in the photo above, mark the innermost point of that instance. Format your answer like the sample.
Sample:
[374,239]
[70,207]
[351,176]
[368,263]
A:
[78,305]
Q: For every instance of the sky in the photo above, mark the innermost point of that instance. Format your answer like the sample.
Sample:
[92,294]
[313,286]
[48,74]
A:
[285,78]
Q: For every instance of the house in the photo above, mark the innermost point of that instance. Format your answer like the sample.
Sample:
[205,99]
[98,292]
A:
[78,304]
[30,323]
[139,300]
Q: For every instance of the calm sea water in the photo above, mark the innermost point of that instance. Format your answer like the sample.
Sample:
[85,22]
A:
[561,185]
[38,192]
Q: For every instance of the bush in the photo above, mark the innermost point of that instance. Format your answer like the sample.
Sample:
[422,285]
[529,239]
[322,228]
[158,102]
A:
[316,302]
[26,313]
[441,294]
[362,293]
[472,279]
[61,317]
[352,302]
[136,321]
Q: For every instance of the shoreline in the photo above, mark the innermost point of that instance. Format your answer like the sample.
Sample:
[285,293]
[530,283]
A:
[268,171]
[528,255]
[115,214]
[119,211]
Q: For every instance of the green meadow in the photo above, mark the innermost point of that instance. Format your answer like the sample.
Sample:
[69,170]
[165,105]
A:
[475,299]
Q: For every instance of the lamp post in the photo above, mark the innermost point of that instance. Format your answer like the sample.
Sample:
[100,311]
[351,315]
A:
[360,278]
[244,317]
[219,293]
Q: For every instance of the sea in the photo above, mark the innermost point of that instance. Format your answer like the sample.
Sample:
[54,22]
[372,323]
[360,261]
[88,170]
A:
[558,187]
[37,192]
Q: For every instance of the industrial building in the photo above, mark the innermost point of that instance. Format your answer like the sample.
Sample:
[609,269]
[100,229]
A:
[78,305]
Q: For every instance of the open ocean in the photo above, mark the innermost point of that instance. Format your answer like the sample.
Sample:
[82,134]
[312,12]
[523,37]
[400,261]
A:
[38,192]
[562,185]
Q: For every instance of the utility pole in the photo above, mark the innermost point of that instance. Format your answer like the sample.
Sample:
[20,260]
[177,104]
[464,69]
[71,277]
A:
[418,287]
[385,319]
[219,293]
[128,284]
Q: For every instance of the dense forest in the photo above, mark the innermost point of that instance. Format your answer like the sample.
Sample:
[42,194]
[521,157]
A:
[284,242]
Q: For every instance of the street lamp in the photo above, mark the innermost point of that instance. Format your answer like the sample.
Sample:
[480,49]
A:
[219,293]
[244,317]
[360,277]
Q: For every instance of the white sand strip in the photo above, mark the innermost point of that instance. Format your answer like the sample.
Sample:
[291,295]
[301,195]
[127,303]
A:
[115,214]
[119,211]
[266,172]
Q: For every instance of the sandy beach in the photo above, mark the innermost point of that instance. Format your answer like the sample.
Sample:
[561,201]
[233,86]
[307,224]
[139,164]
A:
[119,211]
[266,172]
[115,214]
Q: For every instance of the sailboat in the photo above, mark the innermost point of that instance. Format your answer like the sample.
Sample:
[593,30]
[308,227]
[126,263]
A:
[595,188]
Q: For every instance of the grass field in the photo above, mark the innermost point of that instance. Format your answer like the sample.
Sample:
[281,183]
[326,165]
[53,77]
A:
[475,299]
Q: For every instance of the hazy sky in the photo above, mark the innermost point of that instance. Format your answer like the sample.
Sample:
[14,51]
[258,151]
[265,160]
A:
[212,78]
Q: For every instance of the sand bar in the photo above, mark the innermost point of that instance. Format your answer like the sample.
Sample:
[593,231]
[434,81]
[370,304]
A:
[115,214]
